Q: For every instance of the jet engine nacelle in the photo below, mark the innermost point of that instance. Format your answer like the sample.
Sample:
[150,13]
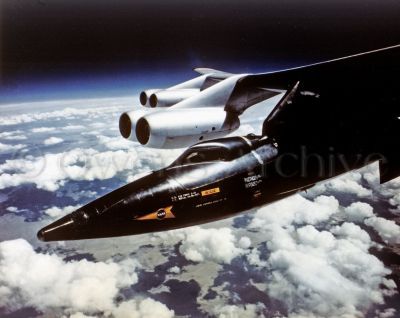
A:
[169,97]
[160,129]
[165,97]
[128,121]
[144,96]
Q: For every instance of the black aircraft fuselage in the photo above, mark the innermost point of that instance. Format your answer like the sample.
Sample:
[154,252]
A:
[335,117]
[209,181]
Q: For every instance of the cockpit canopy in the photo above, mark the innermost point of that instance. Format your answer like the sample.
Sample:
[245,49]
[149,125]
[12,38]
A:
[224,149]
[202,154]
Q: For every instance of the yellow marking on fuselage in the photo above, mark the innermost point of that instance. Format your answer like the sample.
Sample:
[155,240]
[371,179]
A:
[209,192]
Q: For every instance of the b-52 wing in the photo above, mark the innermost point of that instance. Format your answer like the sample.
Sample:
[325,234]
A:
[347,106]
[348,103]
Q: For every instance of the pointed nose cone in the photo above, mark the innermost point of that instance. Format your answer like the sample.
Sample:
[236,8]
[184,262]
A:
[60,230]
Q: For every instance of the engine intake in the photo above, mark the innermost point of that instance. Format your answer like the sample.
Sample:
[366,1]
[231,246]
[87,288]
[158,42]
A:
[166,98]
[143,131]
[128,122]
[144,96]
[125,125]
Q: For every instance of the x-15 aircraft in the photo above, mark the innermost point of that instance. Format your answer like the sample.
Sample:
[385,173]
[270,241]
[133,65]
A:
[334,117]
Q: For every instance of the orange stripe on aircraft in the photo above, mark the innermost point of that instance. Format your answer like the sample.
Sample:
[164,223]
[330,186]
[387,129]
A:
[160,214]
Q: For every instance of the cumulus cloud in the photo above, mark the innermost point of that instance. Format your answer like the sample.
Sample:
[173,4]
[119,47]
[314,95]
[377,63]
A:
[217,245]
[13,135]
[200,244]
[56,212]
[347,183]
[174,270]
[371,174]
[358,211]
[77,195]
[53,141]
[147,308]
[387,313]
[354,234]
[73,127]
[388,230]
[45,280]
[51,171]
[244,242]
[319,273]
[42,129]
[12,209]
[324,275]
[144,308]
[296,209]
[79,315]
[245,311]
[389,190]
[79,288]
[8,148]
[6,134]
[115,143]
[395,200]
[254,258]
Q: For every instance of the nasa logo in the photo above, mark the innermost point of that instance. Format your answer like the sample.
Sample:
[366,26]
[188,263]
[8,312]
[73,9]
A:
[161,214]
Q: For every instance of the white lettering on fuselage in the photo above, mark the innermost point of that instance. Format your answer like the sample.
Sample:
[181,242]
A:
[252,181]
[184,196]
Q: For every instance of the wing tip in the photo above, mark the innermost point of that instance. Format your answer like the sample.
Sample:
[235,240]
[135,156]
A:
[211,71]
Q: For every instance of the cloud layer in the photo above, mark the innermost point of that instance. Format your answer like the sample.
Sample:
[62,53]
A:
[51,171]
[219,245]
[44,281]
[321,272]
[52,141]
